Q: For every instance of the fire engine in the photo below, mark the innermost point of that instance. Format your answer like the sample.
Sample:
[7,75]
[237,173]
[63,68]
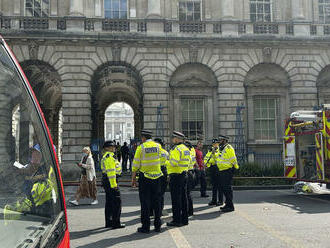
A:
[306,146]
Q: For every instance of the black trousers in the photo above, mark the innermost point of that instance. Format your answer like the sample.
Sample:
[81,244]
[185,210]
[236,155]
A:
[150,199]
[124,164]
[226,179]
[178,187]
[112,204]
[190,187]
[163,186]
[202,179]
[217,194]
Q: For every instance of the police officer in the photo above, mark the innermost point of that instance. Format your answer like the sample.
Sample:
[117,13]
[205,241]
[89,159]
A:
[227,164]
[190,179]
[177,167]
[112,193]
[210,162]
[147,161]
[163,159]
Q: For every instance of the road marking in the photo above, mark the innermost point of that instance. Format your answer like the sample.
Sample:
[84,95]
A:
[179,239]
[277,234]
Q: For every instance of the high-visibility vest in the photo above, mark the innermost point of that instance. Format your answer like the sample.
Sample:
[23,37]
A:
[210,158]
[193,159]
[147,160]
[118,168]
[179,159]
[41,192]
[108,167]
[164,156]
[226,159]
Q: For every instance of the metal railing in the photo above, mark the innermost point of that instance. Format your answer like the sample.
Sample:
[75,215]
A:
[268,159]
[169,26]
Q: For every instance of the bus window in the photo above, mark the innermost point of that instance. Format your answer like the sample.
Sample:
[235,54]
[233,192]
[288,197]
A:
[30,196]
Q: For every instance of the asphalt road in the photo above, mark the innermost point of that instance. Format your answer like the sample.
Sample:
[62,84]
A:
[272,218]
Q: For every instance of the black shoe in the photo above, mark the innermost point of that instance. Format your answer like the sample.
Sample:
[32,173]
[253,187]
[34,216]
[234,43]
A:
[172,223]
[157,229]
[212,203]
[142,230]
[190,214]
[227,210]
[225,206]
[204,196]
[219,203]
[118,226]
[185,224]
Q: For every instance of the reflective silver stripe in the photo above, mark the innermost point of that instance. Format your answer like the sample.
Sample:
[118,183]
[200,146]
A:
[109,170]
[187,160]
[151,158]
[183,165]
[112,177]
[172,159]
[173,164]
[151,164]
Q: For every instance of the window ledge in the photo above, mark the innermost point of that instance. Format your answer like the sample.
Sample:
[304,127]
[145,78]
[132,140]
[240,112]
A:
[264,142]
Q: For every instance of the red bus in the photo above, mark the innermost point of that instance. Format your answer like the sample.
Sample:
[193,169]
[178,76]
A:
[32,204]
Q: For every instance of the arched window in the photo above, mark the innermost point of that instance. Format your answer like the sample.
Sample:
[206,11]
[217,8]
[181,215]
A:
[267,99]
[194,102]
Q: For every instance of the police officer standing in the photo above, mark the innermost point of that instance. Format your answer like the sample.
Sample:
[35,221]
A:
[147,161]
[227,164]
[177,167]
[112,193]
[210,162]
[163,159]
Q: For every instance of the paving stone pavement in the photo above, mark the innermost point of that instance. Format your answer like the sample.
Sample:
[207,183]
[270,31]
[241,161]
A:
[269,218]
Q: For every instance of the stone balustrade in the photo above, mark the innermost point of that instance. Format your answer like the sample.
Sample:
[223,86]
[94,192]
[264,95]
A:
[163,27]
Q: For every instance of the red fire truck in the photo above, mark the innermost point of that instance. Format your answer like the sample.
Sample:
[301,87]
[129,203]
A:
[306,146]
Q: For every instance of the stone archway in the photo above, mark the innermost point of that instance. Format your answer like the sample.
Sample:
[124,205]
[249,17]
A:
[46,84]
[116,82]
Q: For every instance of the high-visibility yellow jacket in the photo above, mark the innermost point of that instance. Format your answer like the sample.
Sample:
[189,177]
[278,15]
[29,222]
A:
[226,158]
[147,160]
[210,158]
[179,159]
[192,158]
[164,157]
[108,167]
[118,168]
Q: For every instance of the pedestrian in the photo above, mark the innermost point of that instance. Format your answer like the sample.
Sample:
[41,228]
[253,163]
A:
[147,161]
[164,158]
[201,169]
[118,152]
[87,187]
[227,164]
[112,193]
[177,167]
[132,150]
[210,162]
[124,151]
[190,179]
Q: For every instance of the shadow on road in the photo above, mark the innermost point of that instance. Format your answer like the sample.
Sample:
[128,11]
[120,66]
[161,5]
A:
[86,233]
[117,240]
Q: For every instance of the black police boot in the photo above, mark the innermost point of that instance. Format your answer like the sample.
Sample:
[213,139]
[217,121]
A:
[157,229]
[219,203]
[172,223]
[118,226]
[227,209]
[212,203]
[142,230]
[204,196]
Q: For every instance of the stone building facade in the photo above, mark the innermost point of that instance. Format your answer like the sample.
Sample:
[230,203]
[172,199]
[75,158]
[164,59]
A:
[199,59]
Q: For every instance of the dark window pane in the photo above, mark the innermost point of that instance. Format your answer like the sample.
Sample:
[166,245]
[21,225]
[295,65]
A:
[197,7]
[123,5]
[190,6]
[115,14]
[107,4]
[192,125]
[197,16]
[123,14]
[184,125]
[115,4]
[107,14]
[253,8]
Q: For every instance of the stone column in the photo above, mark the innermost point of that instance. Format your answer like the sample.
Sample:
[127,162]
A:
[228,14]
[301,28]
[154,9]
[76,8]
[228,9]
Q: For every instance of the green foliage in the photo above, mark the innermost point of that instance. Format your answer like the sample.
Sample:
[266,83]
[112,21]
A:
[257,170]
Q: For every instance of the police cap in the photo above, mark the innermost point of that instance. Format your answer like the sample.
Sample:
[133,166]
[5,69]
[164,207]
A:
[214,141]
[109,144]
[188,144]
[146,133]
[159,141]
[178,135]
[224,137]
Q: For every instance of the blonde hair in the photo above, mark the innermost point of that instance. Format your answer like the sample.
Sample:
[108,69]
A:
[87,149]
